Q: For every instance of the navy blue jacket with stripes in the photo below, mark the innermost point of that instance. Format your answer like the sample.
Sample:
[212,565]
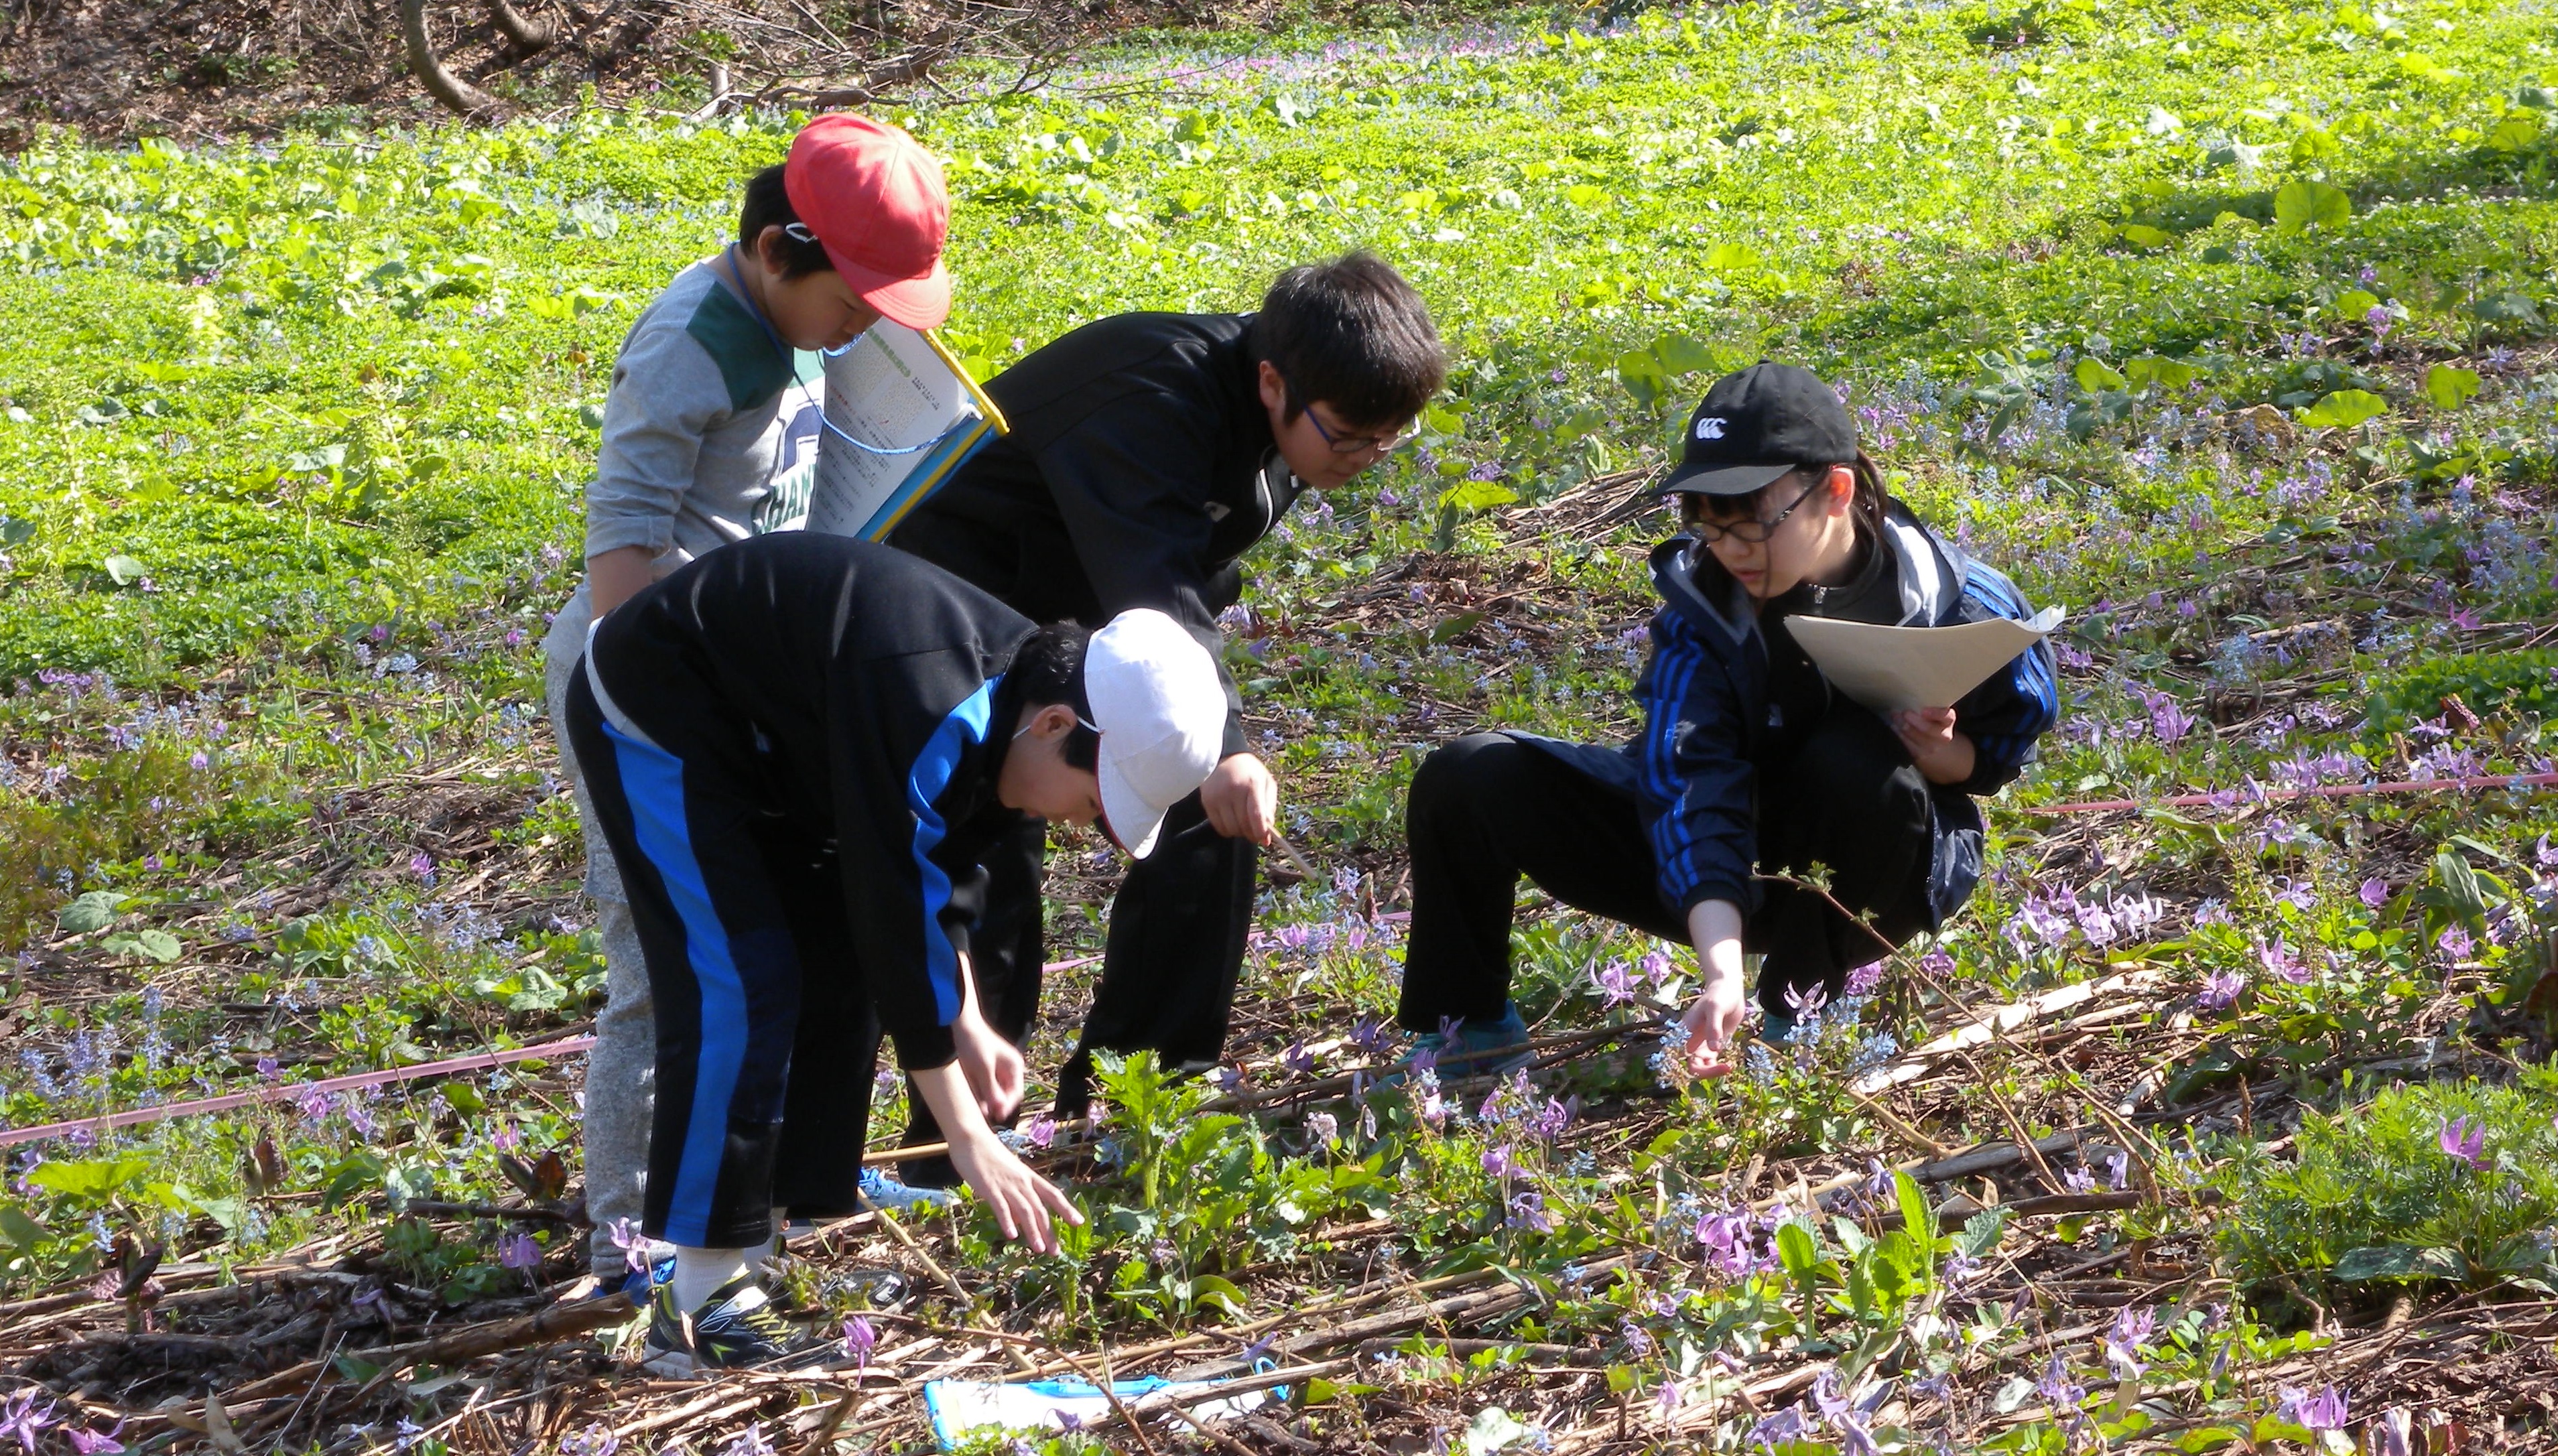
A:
[857,692]
[1705,717]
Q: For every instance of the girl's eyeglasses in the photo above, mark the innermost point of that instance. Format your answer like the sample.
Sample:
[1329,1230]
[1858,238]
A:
[1751,530]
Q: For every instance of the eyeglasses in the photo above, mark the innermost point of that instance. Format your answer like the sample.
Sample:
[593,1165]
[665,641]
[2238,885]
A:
[1352,444]
[1753,531]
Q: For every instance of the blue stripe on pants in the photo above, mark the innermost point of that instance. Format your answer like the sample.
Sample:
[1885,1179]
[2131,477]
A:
[652,783]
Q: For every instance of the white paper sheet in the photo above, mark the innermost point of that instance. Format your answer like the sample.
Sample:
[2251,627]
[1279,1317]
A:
[1886,668]
[962,1408]
[891,390]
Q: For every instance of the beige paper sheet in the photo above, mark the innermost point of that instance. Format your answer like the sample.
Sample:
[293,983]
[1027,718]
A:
[1886,668]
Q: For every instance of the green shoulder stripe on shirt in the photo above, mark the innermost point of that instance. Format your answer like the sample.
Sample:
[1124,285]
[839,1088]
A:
[748,363]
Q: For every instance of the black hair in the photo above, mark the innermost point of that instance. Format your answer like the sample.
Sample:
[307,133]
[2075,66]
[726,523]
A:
[1049,668]
[1867,508]
[768,205]
[1352,334]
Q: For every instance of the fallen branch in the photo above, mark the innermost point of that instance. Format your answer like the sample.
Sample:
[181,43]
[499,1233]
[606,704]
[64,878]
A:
[452,91]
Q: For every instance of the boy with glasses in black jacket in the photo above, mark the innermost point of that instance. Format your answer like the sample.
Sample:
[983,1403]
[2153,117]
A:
[1148,452]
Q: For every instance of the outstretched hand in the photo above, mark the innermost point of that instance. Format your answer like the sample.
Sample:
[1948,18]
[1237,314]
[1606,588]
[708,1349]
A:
[1025,1206]
[1712,1019]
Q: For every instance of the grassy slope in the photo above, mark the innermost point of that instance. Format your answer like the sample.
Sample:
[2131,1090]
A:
[334,402]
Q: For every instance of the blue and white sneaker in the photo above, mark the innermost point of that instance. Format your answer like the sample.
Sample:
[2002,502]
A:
[883,1189]
[636,1283]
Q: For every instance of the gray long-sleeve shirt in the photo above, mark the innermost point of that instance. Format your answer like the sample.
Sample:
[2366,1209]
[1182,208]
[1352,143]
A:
[707,429]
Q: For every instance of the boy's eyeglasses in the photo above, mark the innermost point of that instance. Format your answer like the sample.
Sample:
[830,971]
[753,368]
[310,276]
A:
[1753,530]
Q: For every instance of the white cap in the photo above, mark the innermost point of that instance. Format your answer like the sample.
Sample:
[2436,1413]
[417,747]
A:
[1162,715]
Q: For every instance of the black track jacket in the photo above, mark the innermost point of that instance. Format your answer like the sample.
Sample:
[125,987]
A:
[855,689]
[1139,468]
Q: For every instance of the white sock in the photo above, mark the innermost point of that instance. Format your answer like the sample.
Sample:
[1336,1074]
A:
[699,1272]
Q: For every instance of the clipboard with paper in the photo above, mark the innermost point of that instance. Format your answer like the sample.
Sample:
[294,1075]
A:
[902,414]
[1887,668]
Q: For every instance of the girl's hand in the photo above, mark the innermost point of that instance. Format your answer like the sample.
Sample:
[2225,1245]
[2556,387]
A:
[1710,1022]
[1022,1201]
[1941,754]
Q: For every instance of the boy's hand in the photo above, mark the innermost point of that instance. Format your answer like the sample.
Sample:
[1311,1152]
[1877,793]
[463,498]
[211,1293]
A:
[1242,800]
[1942,756]
[997,1075]
[1022,1201]
[1711,1020]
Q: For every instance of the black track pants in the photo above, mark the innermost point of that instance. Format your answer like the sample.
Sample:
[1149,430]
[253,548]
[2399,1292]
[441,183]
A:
[760,1103]
[1489,807]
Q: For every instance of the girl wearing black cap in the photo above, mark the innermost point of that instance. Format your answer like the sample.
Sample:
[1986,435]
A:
[1750,763]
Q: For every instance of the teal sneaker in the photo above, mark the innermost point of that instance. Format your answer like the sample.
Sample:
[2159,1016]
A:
[1474,1048]
[1778,1028]
[736,1327]
[884,1189]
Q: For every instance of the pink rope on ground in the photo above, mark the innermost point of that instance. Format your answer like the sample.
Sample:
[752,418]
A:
[353,1082]
[2322,791]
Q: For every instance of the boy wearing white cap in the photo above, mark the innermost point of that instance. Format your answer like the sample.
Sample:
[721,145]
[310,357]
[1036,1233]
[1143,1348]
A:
[800,748]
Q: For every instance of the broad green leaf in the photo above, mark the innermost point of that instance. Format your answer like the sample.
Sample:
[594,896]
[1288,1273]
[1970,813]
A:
[1584,197]
[96,911]
[2385,1261]
[1680,354]
[2448,386]
[2345,408]
[2160,371]
[1473,495]
[1494,1430]
[2142,235]
[2304,204]
[1794,1247]
[1981,1233]
[125,570]
[20,1230]
[2354,303]
[2095,375]
[98,1178]
[1916,1215]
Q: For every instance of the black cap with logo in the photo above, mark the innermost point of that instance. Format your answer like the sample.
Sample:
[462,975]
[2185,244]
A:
[1757,424]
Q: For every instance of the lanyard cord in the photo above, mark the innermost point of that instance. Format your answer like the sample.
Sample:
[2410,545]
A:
[790,357]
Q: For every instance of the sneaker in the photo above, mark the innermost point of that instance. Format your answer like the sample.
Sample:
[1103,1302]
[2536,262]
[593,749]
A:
[1471,1048]
[735,1327]
[634,1284]
[883,1189]
[1776,1028]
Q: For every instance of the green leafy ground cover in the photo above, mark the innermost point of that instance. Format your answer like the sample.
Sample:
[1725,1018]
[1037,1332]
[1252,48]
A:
[2225,326]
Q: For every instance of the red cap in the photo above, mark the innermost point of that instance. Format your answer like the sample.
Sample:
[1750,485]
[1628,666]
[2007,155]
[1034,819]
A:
[875,199]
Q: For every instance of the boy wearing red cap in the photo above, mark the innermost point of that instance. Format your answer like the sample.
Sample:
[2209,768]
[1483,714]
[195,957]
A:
[710,433]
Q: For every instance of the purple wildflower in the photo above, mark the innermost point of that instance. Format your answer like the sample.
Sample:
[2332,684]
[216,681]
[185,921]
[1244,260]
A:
[1040,1130]
[24,1421]
[2455,944]
[1616,982]
[2374,893]
[2323,1411]
[2460,1140]
[1669,1397]
[94,1443]
[2221,989]
[859,1341]
[518,1251]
